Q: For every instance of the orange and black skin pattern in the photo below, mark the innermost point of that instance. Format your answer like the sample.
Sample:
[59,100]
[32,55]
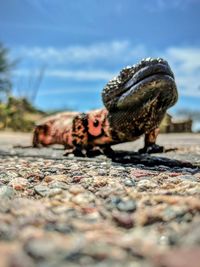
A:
[52,129]
[135,103]
[83,134]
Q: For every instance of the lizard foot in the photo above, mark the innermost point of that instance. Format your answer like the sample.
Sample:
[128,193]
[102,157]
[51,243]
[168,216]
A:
[150,149]
[108,151]
[93,153]
[78,152]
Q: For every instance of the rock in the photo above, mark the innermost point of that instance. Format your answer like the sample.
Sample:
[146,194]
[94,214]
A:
[129,182]
[102,172]
[102,251]
[41,248]
[60,178]
[192,235]
[123,219]
[19,183]
[127,205]
[54,191]
[188,178]
[145,184]
[182,257]
[82,199]
[54,247]
[41,190]
[13,255]
[6,192]
[76,189]
[58,184]
[100,182]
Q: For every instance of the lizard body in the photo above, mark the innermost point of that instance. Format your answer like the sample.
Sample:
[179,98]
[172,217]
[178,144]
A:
[135,103]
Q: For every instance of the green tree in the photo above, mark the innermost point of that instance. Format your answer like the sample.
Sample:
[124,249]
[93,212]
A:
[6,66]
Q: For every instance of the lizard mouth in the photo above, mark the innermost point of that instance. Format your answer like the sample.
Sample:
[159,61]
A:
[146,73]
[138,84]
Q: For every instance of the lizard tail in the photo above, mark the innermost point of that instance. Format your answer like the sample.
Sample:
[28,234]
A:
[35,141]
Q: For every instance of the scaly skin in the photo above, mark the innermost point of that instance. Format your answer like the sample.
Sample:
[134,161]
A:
[51,130]
[135,103]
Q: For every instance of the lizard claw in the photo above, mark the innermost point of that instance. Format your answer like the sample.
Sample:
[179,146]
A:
[154,148]
[78,153]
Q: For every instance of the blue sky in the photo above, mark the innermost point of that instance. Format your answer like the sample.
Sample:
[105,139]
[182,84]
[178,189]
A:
[81,44]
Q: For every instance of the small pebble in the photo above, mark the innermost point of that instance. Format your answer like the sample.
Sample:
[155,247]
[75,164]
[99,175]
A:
[54,191]
[76,189]
[102,172]
[123,220]
[6,192]
[19,183]
[145,184]
[129,182]
[41,190]
[128,205]
[188,178]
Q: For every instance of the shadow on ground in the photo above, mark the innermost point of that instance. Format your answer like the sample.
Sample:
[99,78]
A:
[172,160]
[149,160]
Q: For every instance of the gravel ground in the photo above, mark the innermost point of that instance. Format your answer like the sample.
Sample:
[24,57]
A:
[134,211]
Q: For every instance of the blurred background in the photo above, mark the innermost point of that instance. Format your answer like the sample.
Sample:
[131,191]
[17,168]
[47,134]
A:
[57,55]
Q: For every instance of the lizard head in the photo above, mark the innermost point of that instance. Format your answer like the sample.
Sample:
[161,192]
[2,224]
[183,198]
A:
[137,99]
[135,86]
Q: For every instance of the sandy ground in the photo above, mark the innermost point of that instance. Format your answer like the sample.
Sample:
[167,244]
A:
[176,139]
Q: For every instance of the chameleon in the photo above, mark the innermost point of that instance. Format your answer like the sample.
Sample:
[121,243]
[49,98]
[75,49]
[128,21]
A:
[135,103]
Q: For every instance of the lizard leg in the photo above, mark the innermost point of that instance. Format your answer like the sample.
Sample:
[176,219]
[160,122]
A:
[79,135]
[150,145]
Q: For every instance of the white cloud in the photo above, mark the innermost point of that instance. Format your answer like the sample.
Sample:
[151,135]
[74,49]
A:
[187,58]
[64,91]
[68,62]
[110,51]
[79,75]
[185,62]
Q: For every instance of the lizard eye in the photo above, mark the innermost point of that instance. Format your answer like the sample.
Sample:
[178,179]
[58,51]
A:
[96,123]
